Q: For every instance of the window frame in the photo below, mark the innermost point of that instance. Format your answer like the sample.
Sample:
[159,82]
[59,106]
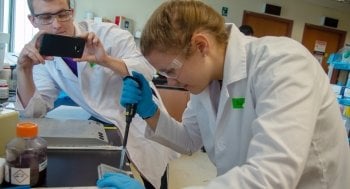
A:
[2,19]
[11,24]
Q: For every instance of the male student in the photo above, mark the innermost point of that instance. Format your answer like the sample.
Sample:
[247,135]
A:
[94,82]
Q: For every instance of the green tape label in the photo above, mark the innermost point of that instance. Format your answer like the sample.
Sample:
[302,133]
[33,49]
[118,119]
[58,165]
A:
[92,64]
[238,103]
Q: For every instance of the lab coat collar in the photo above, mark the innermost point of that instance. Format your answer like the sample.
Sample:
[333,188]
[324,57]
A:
[235,66]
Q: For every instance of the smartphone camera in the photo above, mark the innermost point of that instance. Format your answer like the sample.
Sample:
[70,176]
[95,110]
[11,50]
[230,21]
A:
[77,49]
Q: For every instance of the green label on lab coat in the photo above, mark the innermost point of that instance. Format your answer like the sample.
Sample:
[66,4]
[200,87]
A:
[92,64]
[238,103]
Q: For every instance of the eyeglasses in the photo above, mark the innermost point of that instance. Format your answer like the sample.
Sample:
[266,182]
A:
[46,19]
[171,71]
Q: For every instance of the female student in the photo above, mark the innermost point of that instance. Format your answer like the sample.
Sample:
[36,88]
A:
[262,107]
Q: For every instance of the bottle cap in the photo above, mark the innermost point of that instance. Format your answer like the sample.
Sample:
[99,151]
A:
[27,129]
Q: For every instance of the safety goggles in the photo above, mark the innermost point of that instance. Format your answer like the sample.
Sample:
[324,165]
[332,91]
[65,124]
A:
[47,18]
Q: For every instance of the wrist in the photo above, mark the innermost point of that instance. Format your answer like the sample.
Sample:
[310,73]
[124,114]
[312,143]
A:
[117,65]
[107,60]
[153,121]
[21,69]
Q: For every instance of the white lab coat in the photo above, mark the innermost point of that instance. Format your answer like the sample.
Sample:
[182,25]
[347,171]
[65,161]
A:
[289,133]
[97,90]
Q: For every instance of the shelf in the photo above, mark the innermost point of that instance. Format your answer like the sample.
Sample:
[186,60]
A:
[334,60]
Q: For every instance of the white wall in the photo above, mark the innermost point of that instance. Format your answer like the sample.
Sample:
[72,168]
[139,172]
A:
[300,11]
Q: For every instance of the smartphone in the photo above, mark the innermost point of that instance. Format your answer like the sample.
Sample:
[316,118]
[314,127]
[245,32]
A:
[62,46]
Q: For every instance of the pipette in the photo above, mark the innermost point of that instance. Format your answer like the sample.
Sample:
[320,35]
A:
[129,114]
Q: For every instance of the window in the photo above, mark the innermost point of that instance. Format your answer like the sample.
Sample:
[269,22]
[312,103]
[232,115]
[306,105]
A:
[16,23]
[6,16]
[14,20]
[2,8]
[23,29]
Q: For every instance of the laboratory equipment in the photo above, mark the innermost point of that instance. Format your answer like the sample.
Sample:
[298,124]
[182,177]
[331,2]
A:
[2,165]
[26,157]
[5,72]
[129,114]
[104,168]
[4,89]
[72,134]
[13,78]
[346,53]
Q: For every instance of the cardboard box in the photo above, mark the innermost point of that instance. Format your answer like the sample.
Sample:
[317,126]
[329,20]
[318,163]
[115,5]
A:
[8,123]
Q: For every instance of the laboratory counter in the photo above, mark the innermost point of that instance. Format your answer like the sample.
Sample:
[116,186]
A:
[68,167]
[78,167]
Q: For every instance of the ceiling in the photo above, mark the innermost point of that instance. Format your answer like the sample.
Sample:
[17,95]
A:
[342,5]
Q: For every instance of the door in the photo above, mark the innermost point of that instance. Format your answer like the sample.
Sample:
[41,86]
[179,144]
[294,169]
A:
[334,40]
[264,24]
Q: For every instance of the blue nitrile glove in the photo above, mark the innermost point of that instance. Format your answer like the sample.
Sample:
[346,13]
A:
[138,92]
[118,181]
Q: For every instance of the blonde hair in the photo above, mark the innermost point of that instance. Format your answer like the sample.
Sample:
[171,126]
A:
[173,23]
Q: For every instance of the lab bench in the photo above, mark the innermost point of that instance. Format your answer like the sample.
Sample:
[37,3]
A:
[67,167]
[78,167]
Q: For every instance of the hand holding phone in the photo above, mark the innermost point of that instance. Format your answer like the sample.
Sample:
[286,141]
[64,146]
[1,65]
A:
[94,51]
[61,46]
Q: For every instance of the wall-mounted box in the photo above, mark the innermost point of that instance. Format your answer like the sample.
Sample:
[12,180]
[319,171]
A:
[273,9]
[330,22]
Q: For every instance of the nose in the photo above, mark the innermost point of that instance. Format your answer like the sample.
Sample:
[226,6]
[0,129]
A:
[55,23]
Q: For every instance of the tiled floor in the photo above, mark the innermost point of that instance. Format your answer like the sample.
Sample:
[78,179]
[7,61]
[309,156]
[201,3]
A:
[189,171]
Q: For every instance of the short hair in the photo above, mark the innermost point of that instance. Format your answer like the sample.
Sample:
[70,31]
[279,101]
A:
[31,8]
[172,24]
[246,29]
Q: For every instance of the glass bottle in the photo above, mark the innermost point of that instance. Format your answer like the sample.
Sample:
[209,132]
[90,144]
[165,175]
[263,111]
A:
[26,157]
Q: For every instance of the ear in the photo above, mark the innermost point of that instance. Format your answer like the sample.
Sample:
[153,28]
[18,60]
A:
[201,42]
[31,19]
